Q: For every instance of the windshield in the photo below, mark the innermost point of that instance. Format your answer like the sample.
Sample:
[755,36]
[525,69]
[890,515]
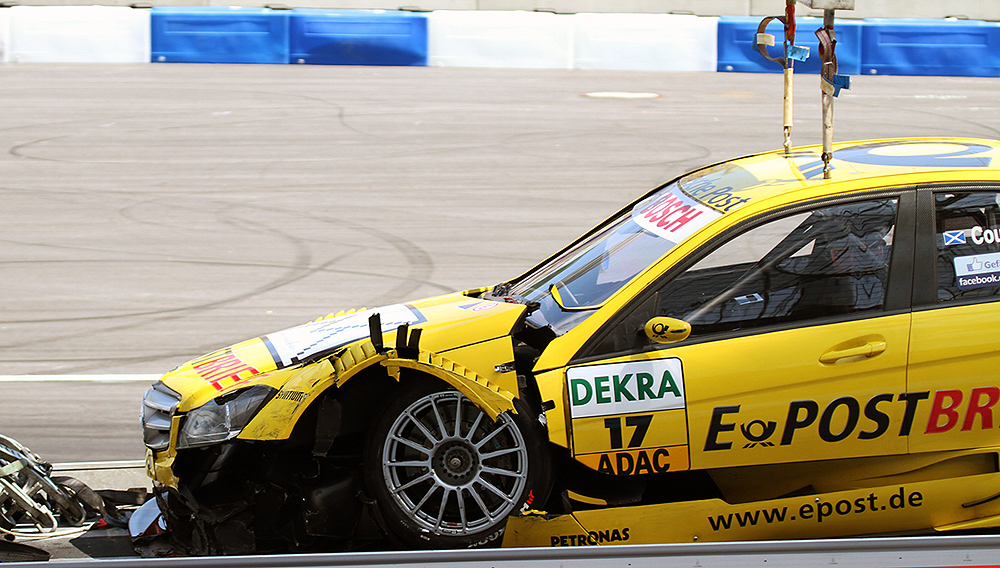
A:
[591,271]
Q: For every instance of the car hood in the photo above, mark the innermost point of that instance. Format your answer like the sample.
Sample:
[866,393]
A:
[447,322]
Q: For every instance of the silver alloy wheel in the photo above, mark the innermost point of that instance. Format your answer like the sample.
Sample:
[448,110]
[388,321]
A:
[451,469]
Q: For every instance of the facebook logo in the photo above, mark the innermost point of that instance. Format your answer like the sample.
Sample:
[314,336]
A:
[954,238]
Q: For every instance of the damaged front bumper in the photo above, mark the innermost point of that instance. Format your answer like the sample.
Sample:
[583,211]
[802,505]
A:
[245,498]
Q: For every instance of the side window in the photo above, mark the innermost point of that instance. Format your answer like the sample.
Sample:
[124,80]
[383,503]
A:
[968,240]
[825,262]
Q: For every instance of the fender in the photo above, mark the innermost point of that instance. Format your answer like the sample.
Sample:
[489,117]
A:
[493,399]
[278,418]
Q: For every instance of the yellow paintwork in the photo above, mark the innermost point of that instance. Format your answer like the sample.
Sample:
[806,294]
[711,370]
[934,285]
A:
[645,461]
[783,182]
[447,326]
[159,465]
[668,428]
[765,482]
[954,349]
[793,359]
[489,396]
[737,397]
[863,359]
[884,509]
[472,334]
[552,386]
[276,420]
[785,366]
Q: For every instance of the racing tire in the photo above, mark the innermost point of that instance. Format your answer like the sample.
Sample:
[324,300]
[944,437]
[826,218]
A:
[444,475]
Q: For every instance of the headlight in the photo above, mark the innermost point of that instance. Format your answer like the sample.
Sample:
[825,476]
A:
[222,418]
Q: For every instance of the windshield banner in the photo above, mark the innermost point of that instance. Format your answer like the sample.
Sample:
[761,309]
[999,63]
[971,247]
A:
[672,215]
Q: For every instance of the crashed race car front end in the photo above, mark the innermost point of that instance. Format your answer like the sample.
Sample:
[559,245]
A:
[258,446]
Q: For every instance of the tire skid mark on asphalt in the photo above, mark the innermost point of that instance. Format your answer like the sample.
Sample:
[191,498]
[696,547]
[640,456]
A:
[78,378]
[299,269]
[994,132]
[420,265]
[274,284]
[420,268]
[324,268]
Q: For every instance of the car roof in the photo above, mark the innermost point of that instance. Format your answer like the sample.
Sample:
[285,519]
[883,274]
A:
[855,166]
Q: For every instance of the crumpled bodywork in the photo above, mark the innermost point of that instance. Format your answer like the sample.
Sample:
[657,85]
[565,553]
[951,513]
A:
[314,376]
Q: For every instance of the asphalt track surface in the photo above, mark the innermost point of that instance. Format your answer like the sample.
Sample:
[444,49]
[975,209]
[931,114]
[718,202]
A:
[152,213]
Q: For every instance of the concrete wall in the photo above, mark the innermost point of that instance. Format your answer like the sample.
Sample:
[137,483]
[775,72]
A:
[973,9]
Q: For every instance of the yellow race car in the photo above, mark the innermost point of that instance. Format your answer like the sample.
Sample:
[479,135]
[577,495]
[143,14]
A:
[750,351]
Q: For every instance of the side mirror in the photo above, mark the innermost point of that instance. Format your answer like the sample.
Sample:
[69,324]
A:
[662,329]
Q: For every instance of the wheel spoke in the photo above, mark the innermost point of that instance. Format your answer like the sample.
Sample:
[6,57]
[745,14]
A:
[411,463]
[425,497]
[475,425]
[411,444]
[479,502]
[422,428]
[413,482]
[458,417]
[444,503]
[499,493]
[491,435]
[461,509]
[440,421]
[503,472]
[504,451]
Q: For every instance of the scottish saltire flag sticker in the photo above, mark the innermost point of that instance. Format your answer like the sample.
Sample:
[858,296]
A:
[954,238]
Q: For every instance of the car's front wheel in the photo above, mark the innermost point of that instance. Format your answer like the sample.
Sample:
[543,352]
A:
[444,475]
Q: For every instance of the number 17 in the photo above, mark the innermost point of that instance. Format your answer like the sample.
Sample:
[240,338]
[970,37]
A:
[640,423]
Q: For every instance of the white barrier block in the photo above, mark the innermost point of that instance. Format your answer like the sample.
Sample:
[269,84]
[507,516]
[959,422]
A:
[645,42]
[481,38]
[4,34]
[78,34]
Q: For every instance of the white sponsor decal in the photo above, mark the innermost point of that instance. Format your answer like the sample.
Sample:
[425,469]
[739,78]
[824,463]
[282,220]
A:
[624,388]
[978,270]
[291,346]
[673,216]
[980,235]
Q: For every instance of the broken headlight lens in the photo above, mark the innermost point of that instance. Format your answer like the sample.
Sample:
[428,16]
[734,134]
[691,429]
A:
[222,418]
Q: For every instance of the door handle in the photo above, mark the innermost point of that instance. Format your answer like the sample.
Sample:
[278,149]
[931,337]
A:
[870,349]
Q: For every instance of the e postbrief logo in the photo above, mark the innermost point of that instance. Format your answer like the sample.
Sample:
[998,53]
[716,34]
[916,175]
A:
[848,417]
[625,388]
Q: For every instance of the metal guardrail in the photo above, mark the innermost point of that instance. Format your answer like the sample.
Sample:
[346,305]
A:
[901,552]
[99,465]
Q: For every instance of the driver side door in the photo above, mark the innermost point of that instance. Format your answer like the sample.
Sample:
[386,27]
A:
[798,348]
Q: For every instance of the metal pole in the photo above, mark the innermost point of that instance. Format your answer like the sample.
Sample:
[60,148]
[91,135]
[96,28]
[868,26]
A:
[789,71]
[828,101]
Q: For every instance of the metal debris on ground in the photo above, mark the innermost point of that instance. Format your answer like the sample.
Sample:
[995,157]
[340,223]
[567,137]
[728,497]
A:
[34,504]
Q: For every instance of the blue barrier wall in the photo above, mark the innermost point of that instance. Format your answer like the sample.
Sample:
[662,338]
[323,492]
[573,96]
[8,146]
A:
[931,47]
[219,34]
[357,37]
[737,51]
